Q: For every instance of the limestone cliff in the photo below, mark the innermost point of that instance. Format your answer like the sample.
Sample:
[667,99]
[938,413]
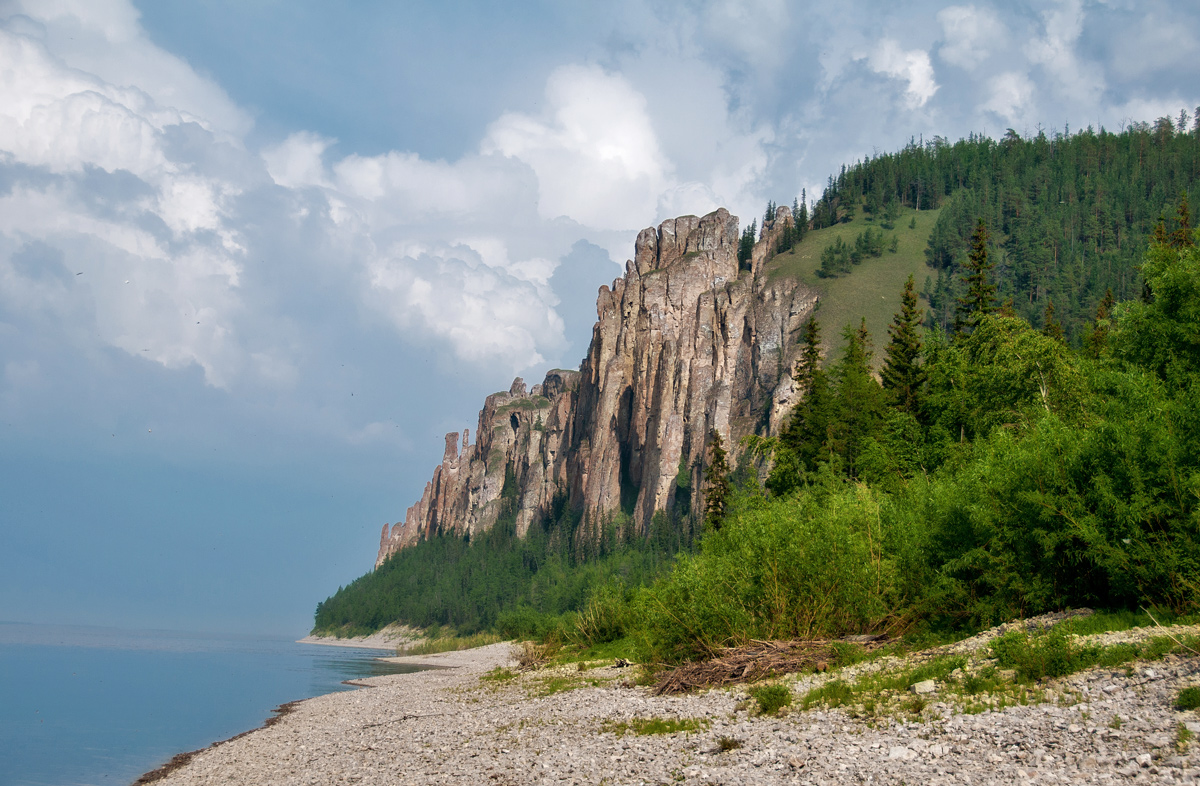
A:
[684,343]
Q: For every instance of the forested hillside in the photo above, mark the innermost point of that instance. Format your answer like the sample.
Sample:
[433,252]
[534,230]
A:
[1026,437]
[1070,214]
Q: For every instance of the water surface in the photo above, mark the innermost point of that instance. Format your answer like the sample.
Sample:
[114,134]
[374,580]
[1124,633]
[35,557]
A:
[102,706]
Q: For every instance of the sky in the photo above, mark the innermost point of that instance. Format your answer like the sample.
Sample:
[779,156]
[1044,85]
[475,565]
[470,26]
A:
[258,257]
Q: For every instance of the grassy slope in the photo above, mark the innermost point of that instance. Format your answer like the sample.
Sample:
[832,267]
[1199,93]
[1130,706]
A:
[872,289]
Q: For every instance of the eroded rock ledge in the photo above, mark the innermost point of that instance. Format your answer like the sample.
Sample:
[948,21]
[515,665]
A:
[685,342]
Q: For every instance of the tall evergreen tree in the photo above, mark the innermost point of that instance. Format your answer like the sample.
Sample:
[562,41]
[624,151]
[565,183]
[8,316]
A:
[810,357]
[716,482]
[902,375]
[1050,326]
[860,405]
[976,302]
[1182,236]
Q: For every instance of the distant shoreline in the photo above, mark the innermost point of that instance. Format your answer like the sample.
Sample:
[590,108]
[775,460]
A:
[389,638]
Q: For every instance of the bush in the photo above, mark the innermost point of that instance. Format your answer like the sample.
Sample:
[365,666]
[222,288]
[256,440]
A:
[793,568]
[1051,655]
[1189,699]
[604,617]
[771,698]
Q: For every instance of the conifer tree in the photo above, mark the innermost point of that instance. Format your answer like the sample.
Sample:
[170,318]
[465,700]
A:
[976,302]
[810,357]
[1182,236]
[716,480]
[902,375]
[1096,343]
[860,403]
[1050,326]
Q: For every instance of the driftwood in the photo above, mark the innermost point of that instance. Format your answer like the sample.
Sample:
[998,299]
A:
[757,661]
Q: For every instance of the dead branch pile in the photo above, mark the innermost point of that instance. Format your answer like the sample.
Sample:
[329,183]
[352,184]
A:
[757,661]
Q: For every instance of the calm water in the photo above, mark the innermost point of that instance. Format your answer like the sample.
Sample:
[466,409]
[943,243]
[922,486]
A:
[103,706]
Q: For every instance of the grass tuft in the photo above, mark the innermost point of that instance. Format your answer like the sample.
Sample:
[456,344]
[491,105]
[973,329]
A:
[771,698]
[1188,699]
[647,726]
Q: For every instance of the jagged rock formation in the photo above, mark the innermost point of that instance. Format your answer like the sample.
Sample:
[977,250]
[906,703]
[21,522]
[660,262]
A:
[684,343]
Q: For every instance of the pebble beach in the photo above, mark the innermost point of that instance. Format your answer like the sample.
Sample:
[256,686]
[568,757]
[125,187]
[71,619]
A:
[473,720]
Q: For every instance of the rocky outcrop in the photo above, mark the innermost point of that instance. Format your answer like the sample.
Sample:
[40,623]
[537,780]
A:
[684,343]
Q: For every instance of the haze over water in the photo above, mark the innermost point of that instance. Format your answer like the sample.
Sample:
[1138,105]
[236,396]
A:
[102,706]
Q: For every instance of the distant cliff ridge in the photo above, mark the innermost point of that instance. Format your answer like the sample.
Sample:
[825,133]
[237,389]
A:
[684,343]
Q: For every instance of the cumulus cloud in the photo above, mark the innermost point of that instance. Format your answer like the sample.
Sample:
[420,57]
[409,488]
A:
[93,179]
[594,150]
[912,66]
[1010,95]
[971,34]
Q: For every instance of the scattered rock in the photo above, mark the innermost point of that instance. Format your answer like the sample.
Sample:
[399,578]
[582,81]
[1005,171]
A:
[923,687]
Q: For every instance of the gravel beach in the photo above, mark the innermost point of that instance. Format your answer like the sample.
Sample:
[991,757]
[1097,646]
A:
[465,723]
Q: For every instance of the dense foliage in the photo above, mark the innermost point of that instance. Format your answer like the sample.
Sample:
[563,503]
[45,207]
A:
[1020,476]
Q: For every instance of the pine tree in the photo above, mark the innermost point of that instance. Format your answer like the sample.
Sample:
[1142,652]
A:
[810,357]
[976,303]
[902,374]
[716,480]
[860,403]
[746,246]
[1051,327]
[1096,343]
[1182,236]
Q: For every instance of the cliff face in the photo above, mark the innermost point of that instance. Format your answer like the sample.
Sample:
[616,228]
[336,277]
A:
[684,343]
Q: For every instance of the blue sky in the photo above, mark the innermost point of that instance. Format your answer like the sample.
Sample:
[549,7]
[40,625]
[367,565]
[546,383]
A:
[257,257]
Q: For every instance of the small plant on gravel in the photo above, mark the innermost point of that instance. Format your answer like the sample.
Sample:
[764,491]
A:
[726,744]
[648,726]
[772,698]
[847,653]
[499,674]
[916,705]
[832,694]
[1115,723]
[1183,735]
[1188,699]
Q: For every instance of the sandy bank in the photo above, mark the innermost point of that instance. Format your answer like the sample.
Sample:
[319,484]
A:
[452,725]
[387,639]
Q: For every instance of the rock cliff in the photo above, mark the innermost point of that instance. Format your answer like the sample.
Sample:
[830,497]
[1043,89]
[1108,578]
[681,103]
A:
[684,343]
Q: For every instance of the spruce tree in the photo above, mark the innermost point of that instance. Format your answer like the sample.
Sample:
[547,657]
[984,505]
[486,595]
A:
[976,302]
[810,357]
[902,374]
[1182,236]
[1050,326]
[716,481]
[860,406]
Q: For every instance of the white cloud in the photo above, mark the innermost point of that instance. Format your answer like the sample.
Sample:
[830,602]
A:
[971,34]
[912,66]
[483,312]
[1010,95]
[297,161]
[1071,80]
[104,38]
[594,150]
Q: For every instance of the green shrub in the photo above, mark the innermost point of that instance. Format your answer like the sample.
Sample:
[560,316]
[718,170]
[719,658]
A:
[604,617]
[1050,655]
[771,698]
[835,693]
[1189,699]
[791,568]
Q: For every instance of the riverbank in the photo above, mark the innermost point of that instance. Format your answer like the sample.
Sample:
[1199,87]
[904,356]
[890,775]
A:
[390,638]
[480,722]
